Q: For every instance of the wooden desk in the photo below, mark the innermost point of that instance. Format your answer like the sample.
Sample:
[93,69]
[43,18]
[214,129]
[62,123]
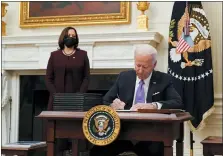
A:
[212,146]
[134,126]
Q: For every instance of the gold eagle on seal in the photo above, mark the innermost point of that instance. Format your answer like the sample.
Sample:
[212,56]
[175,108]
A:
[101,125]
[199,34]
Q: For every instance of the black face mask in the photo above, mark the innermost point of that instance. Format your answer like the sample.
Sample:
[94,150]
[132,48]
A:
[70,41]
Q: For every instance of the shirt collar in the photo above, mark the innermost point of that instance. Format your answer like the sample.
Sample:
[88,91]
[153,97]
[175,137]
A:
[146,81]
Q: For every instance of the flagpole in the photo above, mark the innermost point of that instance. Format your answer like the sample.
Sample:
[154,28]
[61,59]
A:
[187,33]
[191,144]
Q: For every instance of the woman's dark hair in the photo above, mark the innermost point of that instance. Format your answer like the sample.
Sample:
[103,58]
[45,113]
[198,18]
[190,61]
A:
[64,34]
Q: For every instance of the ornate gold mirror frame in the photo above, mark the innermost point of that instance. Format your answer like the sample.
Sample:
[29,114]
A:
[27,21]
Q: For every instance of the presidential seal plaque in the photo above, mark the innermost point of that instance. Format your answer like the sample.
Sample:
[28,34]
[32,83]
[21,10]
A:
[101,125]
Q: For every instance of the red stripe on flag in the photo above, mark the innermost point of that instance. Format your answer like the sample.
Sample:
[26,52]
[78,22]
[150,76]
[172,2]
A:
[182,46]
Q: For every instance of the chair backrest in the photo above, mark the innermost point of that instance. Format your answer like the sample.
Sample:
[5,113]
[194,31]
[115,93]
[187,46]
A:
[76,101]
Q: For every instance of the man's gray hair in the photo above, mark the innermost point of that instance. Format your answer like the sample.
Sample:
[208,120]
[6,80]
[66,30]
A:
[145,49]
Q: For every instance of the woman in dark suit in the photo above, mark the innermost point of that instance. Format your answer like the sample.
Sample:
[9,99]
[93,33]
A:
[68,68]
[67,71]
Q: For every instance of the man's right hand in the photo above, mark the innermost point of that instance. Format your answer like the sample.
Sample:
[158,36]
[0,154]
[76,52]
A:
[118,104]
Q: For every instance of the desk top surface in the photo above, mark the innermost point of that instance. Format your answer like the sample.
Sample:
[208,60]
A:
[124,116]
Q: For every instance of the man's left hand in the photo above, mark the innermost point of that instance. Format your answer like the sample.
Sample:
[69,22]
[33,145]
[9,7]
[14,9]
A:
[137,106]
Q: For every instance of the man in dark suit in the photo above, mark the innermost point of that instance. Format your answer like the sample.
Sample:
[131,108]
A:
[144,88]
[158,91]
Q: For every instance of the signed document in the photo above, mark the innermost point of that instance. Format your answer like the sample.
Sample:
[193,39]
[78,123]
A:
[162,111]
[121,110]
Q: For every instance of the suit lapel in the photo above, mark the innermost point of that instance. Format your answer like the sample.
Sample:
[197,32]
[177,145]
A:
[131,87]
[152,86]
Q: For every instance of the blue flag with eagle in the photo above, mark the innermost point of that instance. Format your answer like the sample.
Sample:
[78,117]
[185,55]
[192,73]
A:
[190,61]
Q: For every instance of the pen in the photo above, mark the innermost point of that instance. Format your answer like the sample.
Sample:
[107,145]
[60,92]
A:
[118,96]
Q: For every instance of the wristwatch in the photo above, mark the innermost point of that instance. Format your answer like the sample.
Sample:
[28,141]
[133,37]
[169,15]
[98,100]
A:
[155,105]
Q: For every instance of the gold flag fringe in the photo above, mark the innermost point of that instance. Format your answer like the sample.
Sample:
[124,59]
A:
[202,123]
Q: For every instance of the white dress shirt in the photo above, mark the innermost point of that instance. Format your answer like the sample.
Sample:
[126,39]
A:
[145,87]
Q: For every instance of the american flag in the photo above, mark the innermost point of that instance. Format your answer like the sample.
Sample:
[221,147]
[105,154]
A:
[182,45]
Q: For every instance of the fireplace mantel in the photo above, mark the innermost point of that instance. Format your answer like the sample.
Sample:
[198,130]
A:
[150,36]
[107,50]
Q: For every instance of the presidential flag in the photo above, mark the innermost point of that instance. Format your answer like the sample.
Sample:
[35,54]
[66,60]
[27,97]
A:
[190,61]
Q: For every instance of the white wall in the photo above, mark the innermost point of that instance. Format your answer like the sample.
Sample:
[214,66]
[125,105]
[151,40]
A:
[159,17]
